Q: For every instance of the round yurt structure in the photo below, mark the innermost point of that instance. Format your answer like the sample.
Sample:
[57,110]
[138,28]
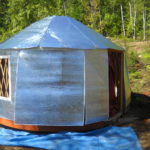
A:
[57,74]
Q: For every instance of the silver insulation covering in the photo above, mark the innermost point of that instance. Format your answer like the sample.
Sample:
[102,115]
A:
[96,86]
[59,74]
[59,87]
[7,106]
[50,88]
[58,32]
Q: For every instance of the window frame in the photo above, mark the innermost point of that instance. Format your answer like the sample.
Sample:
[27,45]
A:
[9,76]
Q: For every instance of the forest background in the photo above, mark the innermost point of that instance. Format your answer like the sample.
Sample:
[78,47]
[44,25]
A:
[126,22]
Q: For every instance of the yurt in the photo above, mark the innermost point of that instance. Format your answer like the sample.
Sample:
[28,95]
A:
[57,74]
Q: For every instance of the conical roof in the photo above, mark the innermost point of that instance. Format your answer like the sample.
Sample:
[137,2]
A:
[58,32]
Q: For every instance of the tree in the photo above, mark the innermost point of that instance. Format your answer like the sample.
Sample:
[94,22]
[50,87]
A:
[3,9]
[109,17]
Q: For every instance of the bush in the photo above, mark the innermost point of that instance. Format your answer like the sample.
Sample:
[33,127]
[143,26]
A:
[133,61]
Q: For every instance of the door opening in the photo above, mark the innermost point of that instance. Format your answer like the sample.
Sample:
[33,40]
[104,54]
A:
[114,83]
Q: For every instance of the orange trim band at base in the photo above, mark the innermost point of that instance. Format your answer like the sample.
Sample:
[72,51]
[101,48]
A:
[37,128]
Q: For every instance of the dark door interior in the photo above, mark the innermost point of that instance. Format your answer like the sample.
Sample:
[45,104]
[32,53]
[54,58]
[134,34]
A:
[114,83]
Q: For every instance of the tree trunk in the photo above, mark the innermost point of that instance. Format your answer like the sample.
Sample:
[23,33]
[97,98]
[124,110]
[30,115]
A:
[100,20]
[122,18]
[144,25]
[134,24]
[130,7]
[64,6]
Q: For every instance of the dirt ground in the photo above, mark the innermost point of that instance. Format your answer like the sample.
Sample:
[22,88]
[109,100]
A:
[137,116]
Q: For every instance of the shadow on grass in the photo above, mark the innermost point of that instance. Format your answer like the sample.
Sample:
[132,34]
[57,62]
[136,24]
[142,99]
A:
[140,105]
[139,109]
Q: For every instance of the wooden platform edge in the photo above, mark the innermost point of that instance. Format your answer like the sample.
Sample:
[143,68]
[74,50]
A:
[37,128]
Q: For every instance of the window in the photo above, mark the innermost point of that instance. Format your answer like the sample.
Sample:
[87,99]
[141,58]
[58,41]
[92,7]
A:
[4,78]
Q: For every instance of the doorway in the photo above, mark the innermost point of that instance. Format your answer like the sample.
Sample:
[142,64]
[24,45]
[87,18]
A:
[114,83]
